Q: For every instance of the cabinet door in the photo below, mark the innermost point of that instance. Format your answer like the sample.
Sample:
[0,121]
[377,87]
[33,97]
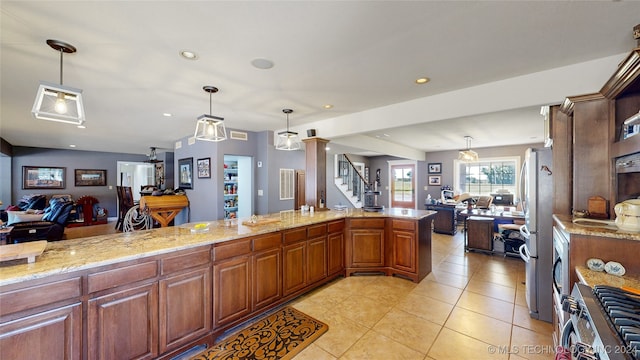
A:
[316,259]
[335,253]
[267,279]
[185,308]
[404,251]
[53,334]
[294,266]
[232,289]
[124,325]
[367,247]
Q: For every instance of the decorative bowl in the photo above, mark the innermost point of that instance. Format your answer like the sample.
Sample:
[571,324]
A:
[614,268]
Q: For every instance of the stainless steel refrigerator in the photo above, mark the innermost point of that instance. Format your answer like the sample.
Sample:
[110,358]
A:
[536,192]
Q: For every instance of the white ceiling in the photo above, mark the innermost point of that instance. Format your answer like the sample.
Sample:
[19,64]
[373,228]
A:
[491,63]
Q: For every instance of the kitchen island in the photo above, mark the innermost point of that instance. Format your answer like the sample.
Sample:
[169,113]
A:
[159,292]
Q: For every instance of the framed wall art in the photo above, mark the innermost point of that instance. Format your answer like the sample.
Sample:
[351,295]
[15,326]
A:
[435,180]
[204,168]
[41,177]
[185,169]
[88,177]
[434,168]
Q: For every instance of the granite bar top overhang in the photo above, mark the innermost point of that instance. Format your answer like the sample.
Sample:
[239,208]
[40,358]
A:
[67,256]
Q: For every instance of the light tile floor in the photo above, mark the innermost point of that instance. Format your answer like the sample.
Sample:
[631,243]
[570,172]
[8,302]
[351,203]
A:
[471,306]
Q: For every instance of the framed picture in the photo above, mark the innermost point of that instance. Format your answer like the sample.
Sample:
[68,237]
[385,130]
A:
[204,168]
[434,168]
[185,169]
[87,177]
[435,180]
[40,177]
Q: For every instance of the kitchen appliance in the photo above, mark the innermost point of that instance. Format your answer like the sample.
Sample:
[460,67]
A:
[628,215]
[603,323]
[536,189]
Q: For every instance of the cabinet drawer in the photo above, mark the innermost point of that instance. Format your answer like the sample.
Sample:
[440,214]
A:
[267,242]
[23,299]
[295,235]
[316,230]
[403,224]
[121,276]
[235,248]
[367,223]
[336,226]
[186,261]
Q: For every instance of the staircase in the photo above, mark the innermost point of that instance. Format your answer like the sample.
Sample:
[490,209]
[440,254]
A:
[349,180]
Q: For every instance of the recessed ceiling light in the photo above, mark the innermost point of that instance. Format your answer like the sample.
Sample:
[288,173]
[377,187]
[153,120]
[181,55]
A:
[72,146]
[327,106]
[167,114]
[261,63]
[190,55]
[422,80]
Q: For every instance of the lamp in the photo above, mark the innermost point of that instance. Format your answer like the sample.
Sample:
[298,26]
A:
[58,102]
[288,140]
[468,155]
[209,127]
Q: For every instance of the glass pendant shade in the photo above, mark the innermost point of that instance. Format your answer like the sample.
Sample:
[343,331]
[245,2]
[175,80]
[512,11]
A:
[209,127]
[288,140]
[468,155]
[56,102]
[59,103]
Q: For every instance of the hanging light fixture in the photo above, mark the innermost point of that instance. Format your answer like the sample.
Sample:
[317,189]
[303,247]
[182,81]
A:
[58,102]
[288,140]
[209,127]
[468,155]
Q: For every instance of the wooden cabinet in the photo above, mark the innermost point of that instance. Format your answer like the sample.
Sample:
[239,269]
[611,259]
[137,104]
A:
[591,159]
[316,253]
[185,298]
[267,274]
[404,245]
[335,247]
[479,233]
[365,247]
[232,284]
[185,308]
[561,133]
[294,260]
[445,221]
[52,334]
[124,324]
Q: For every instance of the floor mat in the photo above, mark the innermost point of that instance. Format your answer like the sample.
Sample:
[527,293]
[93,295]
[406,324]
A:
[280,335]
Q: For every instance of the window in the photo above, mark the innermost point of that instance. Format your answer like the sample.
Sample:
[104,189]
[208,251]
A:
[286,184]
[487,176]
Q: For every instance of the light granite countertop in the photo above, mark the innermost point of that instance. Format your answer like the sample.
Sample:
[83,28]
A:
[594,229]
[591,278]
[68,256]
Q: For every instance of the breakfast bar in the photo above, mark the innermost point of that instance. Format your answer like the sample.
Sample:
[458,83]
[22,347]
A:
[157,293]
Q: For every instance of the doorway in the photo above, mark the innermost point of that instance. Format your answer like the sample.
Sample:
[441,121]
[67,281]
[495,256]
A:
[402,190]
[135,175]
[238,186]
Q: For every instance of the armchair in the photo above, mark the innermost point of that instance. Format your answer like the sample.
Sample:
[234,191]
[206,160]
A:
[50,227]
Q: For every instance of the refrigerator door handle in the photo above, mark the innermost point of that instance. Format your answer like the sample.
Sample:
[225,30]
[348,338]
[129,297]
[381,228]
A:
[524,253]
[524,231]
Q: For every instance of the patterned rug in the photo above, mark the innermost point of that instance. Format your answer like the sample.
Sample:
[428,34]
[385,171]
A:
[280,335]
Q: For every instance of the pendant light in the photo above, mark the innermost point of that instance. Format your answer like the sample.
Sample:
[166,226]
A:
[468,155]
[209,127]
[56,102]
[288,140]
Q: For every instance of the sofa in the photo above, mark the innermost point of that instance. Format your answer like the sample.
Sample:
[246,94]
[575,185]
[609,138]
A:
[48,225]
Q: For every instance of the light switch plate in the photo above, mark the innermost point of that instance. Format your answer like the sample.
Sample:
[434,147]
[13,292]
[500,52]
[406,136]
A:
[259,163]
[260,192]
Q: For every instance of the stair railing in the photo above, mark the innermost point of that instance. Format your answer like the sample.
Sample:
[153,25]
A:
[351,177]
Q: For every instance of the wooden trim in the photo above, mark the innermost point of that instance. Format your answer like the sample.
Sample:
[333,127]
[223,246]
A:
[627,72]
